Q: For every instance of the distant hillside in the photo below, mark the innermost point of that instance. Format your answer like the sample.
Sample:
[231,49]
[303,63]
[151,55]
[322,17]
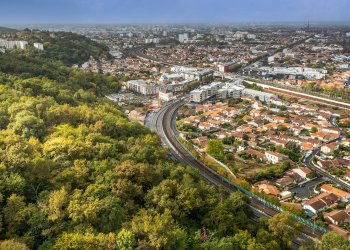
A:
[4,30]
[67,47]
[71,48]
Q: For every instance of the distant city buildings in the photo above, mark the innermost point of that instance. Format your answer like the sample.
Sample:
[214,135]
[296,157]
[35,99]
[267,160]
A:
[243,35]
[152,40]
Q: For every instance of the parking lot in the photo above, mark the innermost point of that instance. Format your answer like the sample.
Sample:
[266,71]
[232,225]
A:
[305,190]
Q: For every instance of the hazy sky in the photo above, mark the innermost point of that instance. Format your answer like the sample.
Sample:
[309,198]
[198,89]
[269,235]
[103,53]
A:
[171,11]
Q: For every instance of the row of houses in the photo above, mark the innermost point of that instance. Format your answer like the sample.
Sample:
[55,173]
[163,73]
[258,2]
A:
[328,198]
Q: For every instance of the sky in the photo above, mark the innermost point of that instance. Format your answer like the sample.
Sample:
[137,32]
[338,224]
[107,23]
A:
[171,11]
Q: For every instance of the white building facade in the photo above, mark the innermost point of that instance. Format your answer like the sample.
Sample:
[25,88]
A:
[142,87]
[13,44]
[205,92]
[183,38]
[39,46]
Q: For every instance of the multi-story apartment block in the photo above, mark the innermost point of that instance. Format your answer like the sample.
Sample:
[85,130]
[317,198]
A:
[142,87]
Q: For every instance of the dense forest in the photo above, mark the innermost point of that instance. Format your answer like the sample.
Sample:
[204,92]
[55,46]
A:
[76,174]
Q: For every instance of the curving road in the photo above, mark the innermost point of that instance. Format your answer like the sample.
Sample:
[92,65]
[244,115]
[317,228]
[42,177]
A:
[307,160]
[163,122]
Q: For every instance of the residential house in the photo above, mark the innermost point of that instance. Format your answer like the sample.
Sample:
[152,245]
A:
[277,142]
[329,148]
[255,153]
[257,105]
[306,146]
[255,113]
[201,141]
[238,135]
[285,195]
[247,118]
[243,146]
[335,131]
[204,126]
[344,196]
[346,176]
[285,181]
[302,171]
[268,189]
[279,119]
[320,202]
[309,126]
[275,157]
[213,123]
[270,125]
[345,142]
[337,217]
[192,120]
[318,135]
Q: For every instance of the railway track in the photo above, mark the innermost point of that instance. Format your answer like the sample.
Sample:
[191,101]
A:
[309,97]
[165,129]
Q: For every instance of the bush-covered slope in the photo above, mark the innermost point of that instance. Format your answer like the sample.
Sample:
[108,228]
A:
[67,47]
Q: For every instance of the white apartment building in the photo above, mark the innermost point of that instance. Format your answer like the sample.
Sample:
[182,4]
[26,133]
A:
[182,69]
[205,92]
[251,36]
[13,44]
[167,78]
[142,87]
[230,90]
[39,46]
[163,96]
[263,96]
[152,40]
[244,34]
[308,73]
[240,34]
[183,38]
[191,73]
